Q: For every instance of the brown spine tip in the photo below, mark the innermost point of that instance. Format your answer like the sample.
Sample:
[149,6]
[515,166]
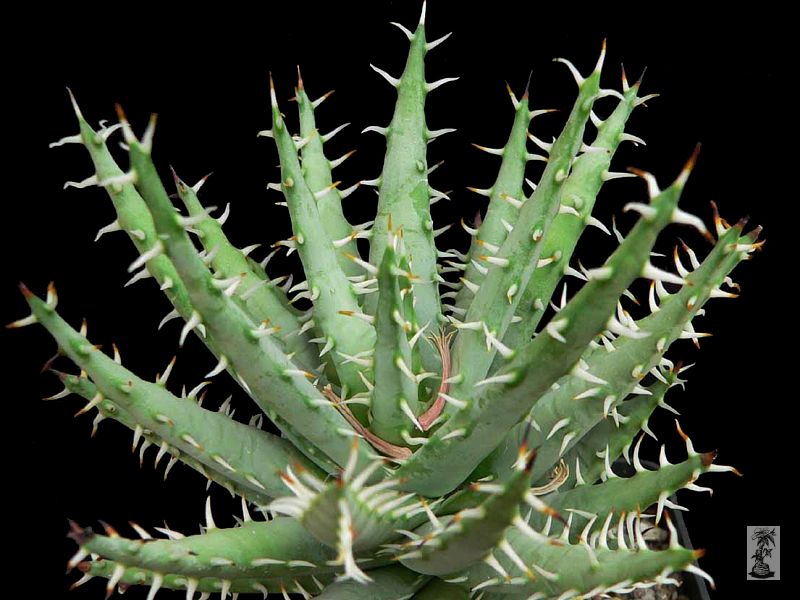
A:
[49,363]
[527,86]
[25,291]
[742,223]
[79,534]
[698,553]
[175,178]
[299,80]
[60,374]
[638,172]
[680,431]
[531,458]
[692,159]
[624,76]
[110,531]
[639,81]
[753,235]
[708,457]
[120,113]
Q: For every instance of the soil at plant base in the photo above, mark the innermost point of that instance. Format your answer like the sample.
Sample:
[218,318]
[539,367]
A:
[656,539]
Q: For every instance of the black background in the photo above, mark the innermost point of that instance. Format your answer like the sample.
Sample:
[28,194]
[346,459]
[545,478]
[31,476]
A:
[723,82]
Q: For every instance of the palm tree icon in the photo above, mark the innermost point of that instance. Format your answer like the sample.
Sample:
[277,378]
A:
[765,537]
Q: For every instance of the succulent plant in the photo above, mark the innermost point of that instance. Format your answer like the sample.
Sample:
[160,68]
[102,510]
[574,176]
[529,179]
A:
[428,445]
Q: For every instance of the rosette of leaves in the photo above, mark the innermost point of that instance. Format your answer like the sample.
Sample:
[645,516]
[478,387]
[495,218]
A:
[446,419]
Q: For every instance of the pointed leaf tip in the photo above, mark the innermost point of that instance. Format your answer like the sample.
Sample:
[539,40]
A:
[25,291]
[527,86]
[74,103]
[178,181]
[120,113]
[299,80]
[641,77]
[599,66]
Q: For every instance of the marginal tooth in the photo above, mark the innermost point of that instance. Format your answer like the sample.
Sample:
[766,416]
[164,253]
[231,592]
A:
[494,151]
[685,218]
[511,200]
[111,227]
[596,121]
[648,212]
[699,572]
[554,329]
[370,268]
[472,287]
[558,426]
[614,326]
[330,135]
[219,368]
[655,372]
[495,260]
[568,270]
[621,533]
[393,81]
[431,45]
[602,540]
[116,575]
[432,134]
[495,564]
[115,182]
[97,399]
[338,161]
[509,551]
[326,190]
[546,146]
[609,175]
[483,192]
[512,290]
[718,293]
[565,209]
[441,230]
[565,443]
[194,321]
[582,373]
[594,222]
[656,274]
[470,230]
[156,250]
[579,79]
[502,378]
[139,276]
[376,129]
[599,274]
[430,86]
[89,181]
[155,585]
[408,34]
[70,139]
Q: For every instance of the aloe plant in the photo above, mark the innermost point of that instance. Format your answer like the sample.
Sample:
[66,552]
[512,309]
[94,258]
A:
[428,445]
